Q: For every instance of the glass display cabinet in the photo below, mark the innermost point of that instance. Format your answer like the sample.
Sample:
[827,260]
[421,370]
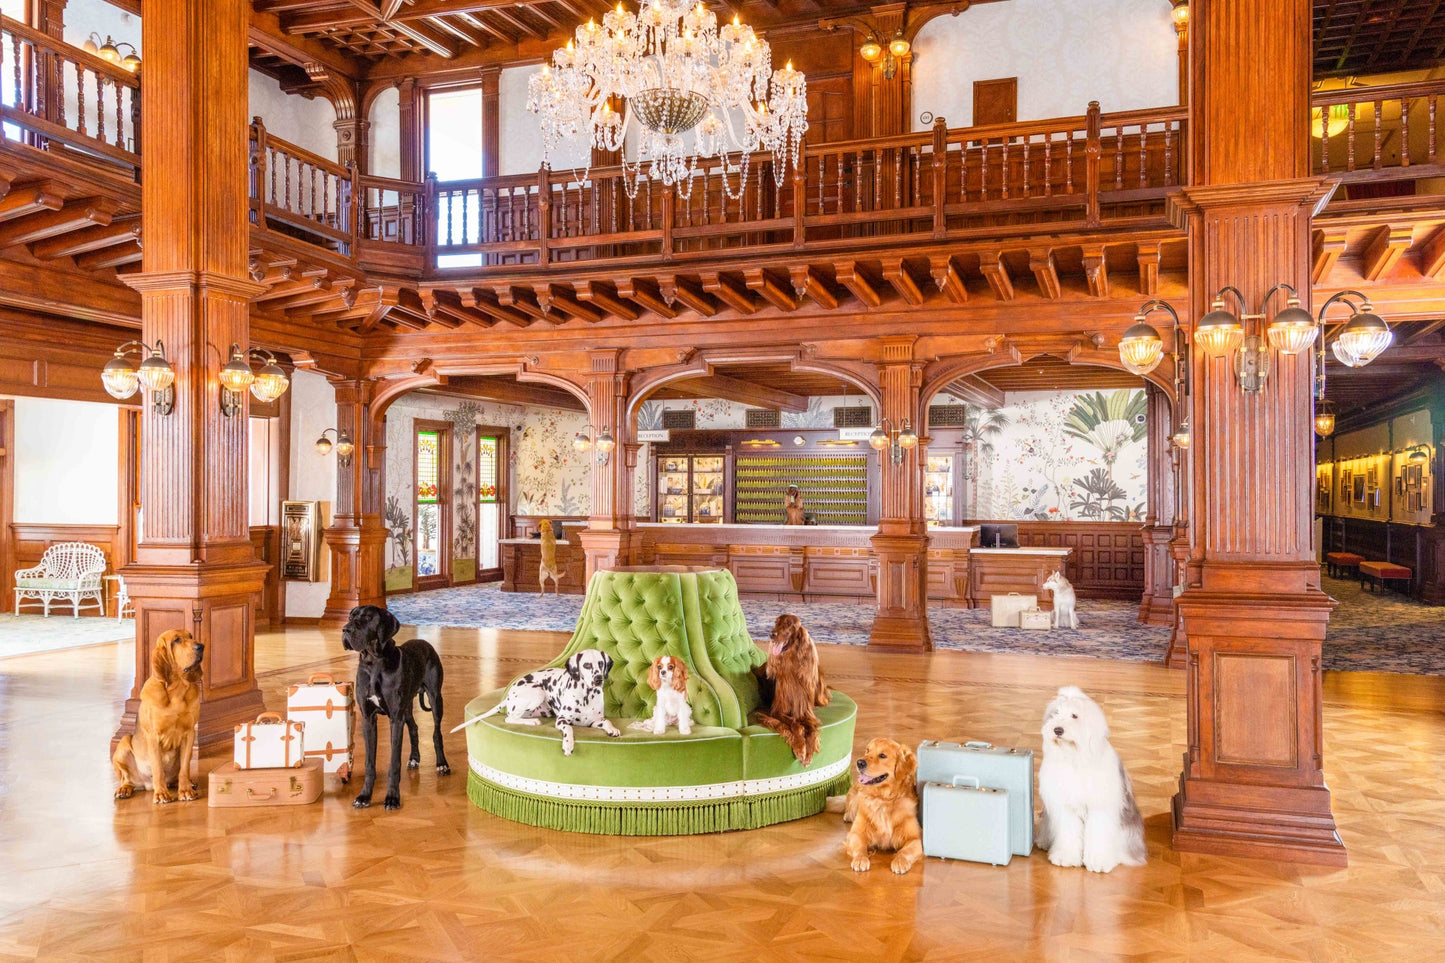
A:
[690,488]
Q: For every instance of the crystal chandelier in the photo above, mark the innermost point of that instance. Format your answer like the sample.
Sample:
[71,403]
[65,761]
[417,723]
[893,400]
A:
[677,73]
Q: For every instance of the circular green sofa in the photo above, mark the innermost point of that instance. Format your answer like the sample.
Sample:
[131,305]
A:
[727,774]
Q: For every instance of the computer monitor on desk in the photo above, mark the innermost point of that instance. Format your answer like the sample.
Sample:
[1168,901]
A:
[998,536]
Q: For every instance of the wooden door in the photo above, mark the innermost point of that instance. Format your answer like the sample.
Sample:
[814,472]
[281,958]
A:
[995,101]
[432,494]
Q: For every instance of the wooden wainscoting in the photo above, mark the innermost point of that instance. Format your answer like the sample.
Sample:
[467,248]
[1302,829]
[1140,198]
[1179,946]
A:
[1108,559]
[29,540]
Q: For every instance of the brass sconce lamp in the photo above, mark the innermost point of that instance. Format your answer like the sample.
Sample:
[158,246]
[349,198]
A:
[344,446]
[896,440]
[155,374]
[605,444]
[236,376]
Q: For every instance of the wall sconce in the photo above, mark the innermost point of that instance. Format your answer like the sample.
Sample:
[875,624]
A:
[155,374]
[1181,437]
[343,446]
[896,440]
[109,51]
[1141,348]
[236,376]
[605,444]
[1291,332]
[1325,419]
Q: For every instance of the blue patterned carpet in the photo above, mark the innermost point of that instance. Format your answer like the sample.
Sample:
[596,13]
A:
[1387,633]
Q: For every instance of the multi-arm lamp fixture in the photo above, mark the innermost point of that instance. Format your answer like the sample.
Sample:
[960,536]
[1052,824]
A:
[896,440]
[109,51]
[582,441]
[344,446]
[155,374]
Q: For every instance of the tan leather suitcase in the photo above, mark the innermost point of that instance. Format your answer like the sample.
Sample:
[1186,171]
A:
[295,786]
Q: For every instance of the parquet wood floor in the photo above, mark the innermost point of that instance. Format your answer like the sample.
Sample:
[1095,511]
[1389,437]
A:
[87,878]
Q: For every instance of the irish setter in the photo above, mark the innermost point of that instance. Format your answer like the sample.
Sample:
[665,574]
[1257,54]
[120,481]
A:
[798,686]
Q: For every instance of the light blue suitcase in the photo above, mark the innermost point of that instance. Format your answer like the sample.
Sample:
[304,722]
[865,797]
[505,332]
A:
[1011,769]
[963,821]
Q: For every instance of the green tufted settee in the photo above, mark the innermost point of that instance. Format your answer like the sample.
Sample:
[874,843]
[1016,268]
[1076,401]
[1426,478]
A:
[727,774]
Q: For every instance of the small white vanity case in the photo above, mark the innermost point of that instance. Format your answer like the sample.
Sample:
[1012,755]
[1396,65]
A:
[1011,769]
[328,710]
[962,820]
[1036,619]
[269,743]
[1005,609]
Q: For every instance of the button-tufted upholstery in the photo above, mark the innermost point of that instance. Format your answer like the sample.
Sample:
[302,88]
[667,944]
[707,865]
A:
[742,775]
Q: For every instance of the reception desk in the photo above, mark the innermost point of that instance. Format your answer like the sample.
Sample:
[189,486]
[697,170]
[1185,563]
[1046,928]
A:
[999,571]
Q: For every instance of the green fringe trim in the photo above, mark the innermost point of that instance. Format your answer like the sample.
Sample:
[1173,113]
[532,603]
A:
[652,818]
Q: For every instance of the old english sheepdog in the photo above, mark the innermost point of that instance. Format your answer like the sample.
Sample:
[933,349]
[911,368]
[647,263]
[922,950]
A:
[1090,818]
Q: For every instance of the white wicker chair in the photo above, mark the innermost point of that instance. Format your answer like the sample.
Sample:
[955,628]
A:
[67,570]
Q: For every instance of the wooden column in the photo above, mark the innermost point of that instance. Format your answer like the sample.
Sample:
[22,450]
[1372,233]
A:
[900,549]
[607,541]
[1253,781]
[1157,605]
[194,567]
[491,121]
[357,535]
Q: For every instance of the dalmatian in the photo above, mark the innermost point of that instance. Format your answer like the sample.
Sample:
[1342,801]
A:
[572,694]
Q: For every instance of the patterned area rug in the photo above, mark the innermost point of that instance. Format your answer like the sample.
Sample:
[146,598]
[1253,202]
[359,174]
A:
[1367,633]
[28,634]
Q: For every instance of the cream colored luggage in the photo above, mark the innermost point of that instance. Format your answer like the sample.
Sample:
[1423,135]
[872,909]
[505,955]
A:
[1005,609]
[269,743]
[328,711]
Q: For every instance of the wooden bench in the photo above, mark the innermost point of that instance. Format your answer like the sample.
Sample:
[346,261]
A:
[1342,564]
[1376,574]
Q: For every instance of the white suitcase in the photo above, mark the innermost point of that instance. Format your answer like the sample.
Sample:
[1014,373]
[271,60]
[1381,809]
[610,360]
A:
[1005,609]
[963,821]
[327,709]
[1011,769]
[269,743]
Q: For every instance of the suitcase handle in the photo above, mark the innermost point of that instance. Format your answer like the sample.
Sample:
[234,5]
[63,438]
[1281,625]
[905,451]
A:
[320,677]
[251,793]
[269,717]
[957,780]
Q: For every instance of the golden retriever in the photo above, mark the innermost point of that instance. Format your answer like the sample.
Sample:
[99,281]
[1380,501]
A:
[798,686]
[882,807]
[170,703]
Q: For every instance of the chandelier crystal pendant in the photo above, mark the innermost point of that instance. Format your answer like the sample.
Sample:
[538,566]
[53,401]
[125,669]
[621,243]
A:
[644,82]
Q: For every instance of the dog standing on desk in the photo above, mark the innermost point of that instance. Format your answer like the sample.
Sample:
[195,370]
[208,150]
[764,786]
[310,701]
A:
[159,752]
[1065,602]
[548,566]
[389,678]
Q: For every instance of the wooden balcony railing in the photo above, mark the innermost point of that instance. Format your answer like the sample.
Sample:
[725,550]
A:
[59,98]
[1378,133]
[1068,172]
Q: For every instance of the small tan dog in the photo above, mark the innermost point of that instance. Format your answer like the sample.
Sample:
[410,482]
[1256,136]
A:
[548,567]
[170,703]
[882,807]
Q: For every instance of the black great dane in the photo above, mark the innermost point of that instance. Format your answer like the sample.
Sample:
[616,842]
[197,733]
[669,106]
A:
[389,677]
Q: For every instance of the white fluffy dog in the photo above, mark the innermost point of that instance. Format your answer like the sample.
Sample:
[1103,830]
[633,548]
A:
[1065,611]
[1090,817]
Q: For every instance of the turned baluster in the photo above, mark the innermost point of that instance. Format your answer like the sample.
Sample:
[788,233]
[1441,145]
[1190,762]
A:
[1379,131]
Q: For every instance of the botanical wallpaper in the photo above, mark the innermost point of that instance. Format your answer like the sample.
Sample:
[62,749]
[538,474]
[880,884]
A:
[1059,456]
[547,476]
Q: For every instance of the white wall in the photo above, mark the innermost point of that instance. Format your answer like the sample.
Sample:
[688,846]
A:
[83,16]
[313,475]
[1065,53]
[291,117]
[66,462]
[386,133]
[520,150]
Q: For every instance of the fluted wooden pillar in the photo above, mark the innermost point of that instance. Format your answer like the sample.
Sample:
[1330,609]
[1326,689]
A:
[1253,781]
[195,568]
[900,549]
[356,537]
[607,540]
